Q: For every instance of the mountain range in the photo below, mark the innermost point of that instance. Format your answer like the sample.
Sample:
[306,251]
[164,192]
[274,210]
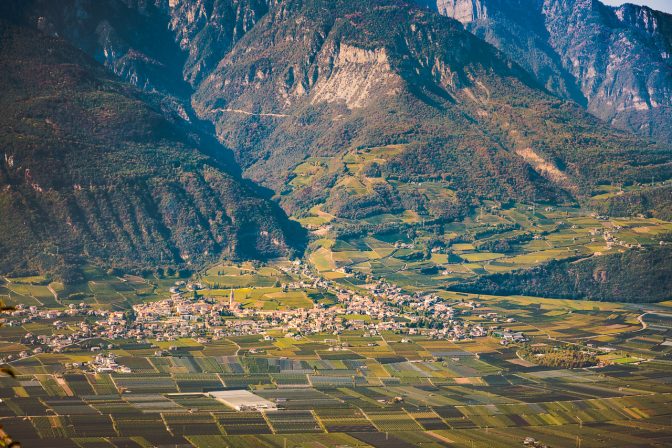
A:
[614,61]
[341,105]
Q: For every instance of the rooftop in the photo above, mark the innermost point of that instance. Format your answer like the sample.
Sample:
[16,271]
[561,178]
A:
[242,400]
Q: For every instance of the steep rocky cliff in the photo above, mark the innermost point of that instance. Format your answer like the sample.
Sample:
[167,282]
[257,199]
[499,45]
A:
[465,11]
[208,29]
[617,62]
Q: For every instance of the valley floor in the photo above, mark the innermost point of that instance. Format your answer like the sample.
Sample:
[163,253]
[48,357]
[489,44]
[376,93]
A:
[362,346]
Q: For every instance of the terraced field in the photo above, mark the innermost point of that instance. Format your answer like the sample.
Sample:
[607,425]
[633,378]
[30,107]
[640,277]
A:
[492,240]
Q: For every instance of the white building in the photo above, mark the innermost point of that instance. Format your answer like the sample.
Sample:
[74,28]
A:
[243,400]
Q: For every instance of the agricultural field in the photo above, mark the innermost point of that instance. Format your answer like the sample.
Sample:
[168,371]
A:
[243,275]
[103,290]
[413,391]
[493,240]
[344,344]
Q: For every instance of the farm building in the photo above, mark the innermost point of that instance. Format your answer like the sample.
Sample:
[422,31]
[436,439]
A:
[242,400]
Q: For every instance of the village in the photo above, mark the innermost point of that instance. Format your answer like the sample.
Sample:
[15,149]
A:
[189,312]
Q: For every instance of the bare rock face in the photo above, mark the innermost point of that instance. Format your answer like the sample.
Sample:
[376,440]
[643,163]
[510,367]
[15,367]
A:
[207,29]
[620,59]
[465,11]
[617,62]
[357,74]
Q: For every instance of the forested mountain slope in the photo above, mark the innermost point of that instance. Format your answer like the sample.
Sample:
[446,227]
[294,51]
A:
[639,276]
[342,109]
[89,171]
[329,79]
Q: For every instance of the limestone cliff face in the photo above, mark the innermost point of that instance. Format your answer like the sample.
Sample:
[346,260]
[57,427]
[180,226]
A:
[357,73]
[620,59]
[615,61]
[465,11]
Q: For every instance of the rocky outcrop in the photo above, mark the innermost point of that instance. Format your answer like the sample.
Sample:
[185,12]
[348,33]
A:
[620,62]
[207,30]
[356,76]
[465,11]
[614,61]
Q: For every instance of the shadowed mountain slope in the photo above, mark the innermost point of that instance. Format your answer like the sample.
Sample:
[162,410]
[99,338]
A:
[90,171]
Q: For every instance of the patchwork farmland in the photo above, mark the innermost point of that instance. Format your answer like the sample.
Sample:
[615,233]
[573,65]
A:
[368,343]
